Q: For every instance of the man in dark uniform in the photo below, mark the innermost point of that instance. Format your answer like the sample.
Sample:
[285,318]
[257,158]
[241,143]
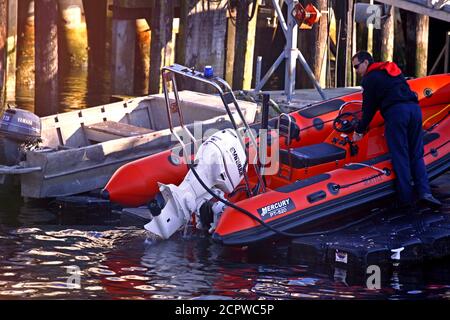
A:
[385,89]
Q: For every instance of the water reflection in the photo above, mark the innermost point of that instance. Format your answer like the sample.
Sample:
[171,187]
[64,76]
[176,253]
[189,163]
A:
[44,263]
[119,263]
[78,89]
[116,261]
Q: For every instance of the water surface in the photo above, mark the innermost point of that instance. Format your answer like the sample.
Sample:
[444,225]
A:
[42,249]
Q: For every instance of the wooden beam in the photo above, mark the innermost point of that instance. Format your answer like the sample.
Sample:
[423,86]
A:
[3,50]
[110,130]
[123,52]
[313,44]
[142,57]
[230,52]
[73,34]
[344,13]
[362,30]
[416,44]
[244,46]
[134,3]
[370,35]
[422,26]
[25,48]
[387,36]
[46,57]
[161,47]
[417,8]
[121,13]
[145,12]
[202,35]
[122,55]
[95,13]
[12,50]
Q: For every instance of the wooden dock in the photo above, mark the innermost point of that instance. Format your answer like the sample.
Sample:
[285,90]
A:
[304,97]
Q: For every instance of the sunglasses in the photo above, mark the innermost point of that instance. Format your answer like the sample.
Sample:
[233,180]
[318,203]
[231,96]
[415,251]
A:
[356,66]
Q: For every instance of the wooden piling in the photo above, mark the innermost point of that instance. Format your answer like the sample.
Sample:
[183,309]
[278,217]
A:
[244,45]
[230,53]
[25,49]
[95,14]
[400,53]
[3,50]
[362,39]
[161,46]
[410,32]
[370,35]
[313,44]
[12,50]
[46,57]
[387,35]
[202,35]
[422,27]
[416,44]
[122,55]
[72,34]
[344,14]
[142,57]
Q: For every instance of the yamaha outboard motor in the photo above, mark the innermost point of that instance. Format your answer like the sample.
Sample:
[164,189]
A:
[18,129]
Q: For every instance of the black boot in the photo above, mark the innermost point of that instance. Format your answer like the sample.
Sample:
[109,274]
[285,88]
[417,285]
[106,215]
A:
[428,200]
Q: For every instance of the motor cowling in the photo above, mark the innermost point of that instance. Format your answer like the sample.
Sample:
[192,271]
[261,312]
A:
[17,128]
[220,163]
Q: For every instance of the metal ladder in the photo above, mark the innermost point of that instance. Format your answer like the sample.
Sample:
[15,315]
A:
[228,98]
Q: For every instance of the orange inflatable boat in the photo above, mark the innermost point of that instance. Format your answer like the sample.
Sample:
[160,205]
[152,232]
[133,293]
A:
[321,173]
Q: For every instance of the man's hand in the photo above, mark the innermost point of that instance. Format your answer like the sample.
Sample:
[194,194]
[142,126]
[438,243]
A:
[357,136]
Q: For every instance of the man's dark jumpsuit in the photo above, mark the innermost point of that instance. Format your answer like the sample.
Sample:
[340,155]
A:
[385,89]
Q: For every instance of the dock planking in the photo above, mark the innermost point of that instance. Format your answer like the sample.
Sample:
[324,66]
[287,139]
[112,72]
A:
[389,238]
[304,97]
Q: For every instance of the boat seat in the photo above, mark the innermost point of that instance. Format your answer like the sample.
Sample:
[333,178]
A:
[312,155]
[110,130]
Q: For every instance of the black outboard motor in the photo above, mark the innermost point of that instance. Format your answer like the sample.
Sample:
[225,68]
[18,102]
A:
[18,129]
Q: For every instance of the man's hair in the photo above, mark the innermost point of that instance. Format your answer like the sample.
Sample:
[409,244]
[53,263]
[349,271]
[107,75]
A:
[363,55]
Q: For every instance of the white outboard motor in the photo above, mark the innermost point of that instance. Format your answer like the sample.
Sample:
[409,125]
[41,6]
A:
[17,128]
[220,163]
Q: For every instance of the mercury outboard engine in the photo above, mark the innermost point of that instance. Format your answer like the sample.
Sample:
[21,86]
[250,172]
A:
[18,129]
